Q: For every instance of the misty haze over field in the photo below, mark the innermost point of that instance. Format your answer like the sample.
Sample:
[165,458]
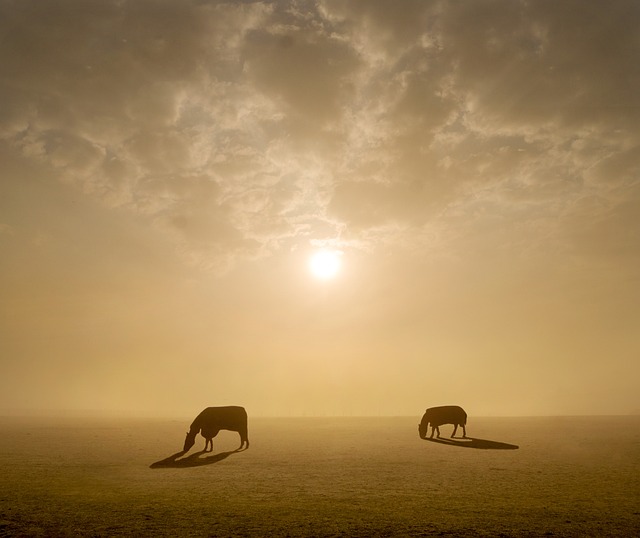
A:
[470,172]
[321,477]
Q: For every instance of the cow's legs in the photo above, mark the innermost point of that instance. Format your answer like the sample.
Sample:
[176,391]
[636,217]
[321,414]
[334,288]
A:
[209,435]
[455,429]
[464,431]
[244,438]
[435,429]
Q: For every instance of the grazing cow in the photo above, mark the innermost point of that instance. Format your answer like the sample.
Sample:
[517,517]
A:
[437,416]
[214,419]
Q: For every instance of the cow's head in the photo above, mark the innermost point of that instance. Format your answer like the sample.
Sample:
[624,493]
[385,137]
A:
[189,440]
[423,427]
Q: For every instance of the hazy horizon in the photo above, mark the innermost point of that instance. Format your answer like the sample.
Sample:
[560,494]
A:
[128,415]
[471,170]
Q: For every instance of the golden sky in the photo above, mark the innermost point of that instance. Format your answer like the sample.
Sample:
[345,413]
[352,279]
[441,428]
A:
[169,167]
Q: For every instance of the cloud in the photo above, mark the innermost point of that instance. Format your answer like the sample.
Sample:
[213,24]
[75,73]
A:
[498,111]
[304,70]
[242,128]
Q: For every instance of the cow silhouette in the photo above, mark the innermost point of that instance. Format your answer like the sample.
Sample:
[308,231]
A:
[213,419]
[446,414]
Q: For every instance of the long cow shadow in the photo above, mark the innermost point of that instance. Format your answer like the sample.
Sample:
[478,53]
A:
[474,442]
[176,462]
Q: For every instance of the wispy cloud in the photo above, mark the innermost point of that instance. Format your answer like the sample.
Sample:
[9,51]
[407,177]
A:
[241,128]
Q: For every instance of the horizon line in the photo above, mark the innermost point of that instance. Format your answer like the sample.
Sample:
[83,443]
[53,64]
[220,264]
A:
[98,413]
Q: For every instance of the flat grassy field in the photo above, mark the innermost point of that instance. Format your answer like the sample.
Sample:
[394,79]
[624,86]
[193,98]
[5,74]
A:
[568,476]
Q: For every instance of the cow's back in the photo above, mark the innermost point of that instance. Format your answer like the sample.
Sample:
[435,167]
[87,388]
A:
[445,414]
[231,417]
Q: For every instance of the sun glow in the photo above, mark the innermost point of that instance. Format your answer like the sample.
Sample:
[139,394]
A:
[325,264]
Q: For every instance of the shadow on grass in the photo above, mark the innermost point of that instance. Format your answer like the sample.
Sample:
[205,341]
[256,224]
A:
[474,442]
[176,462]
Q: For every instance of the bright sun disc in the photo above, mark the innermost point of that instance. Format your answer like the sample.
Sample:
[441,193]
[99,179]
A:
[325,264]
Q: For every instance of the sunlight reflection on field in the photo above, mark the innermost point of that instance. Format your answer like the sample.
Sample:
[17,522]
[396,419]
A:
[321,476]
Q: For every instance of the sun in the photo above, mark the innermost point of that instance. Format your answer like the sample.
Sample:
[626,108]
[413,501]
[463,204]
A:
[325,264]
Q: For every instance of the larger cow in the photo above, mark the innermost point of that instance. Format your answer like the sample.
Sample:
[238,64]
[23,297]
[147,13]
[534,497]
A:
[446,414]
[212,420]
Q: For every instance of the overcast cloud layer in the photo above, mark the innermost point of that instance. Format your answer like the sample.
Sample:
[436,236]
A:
[427,141]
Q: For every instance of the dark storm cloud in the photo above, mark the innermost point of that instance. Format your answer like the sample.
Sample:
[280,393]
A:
[243,127]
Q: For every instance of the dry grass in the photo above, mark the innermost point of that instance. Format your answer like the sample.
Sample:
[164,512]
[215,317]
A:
[321,477]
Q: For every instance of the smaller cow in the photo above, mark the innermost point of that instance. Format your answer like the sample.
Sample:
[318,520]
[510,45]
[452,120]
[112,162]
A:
[212,420]
[446,414]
